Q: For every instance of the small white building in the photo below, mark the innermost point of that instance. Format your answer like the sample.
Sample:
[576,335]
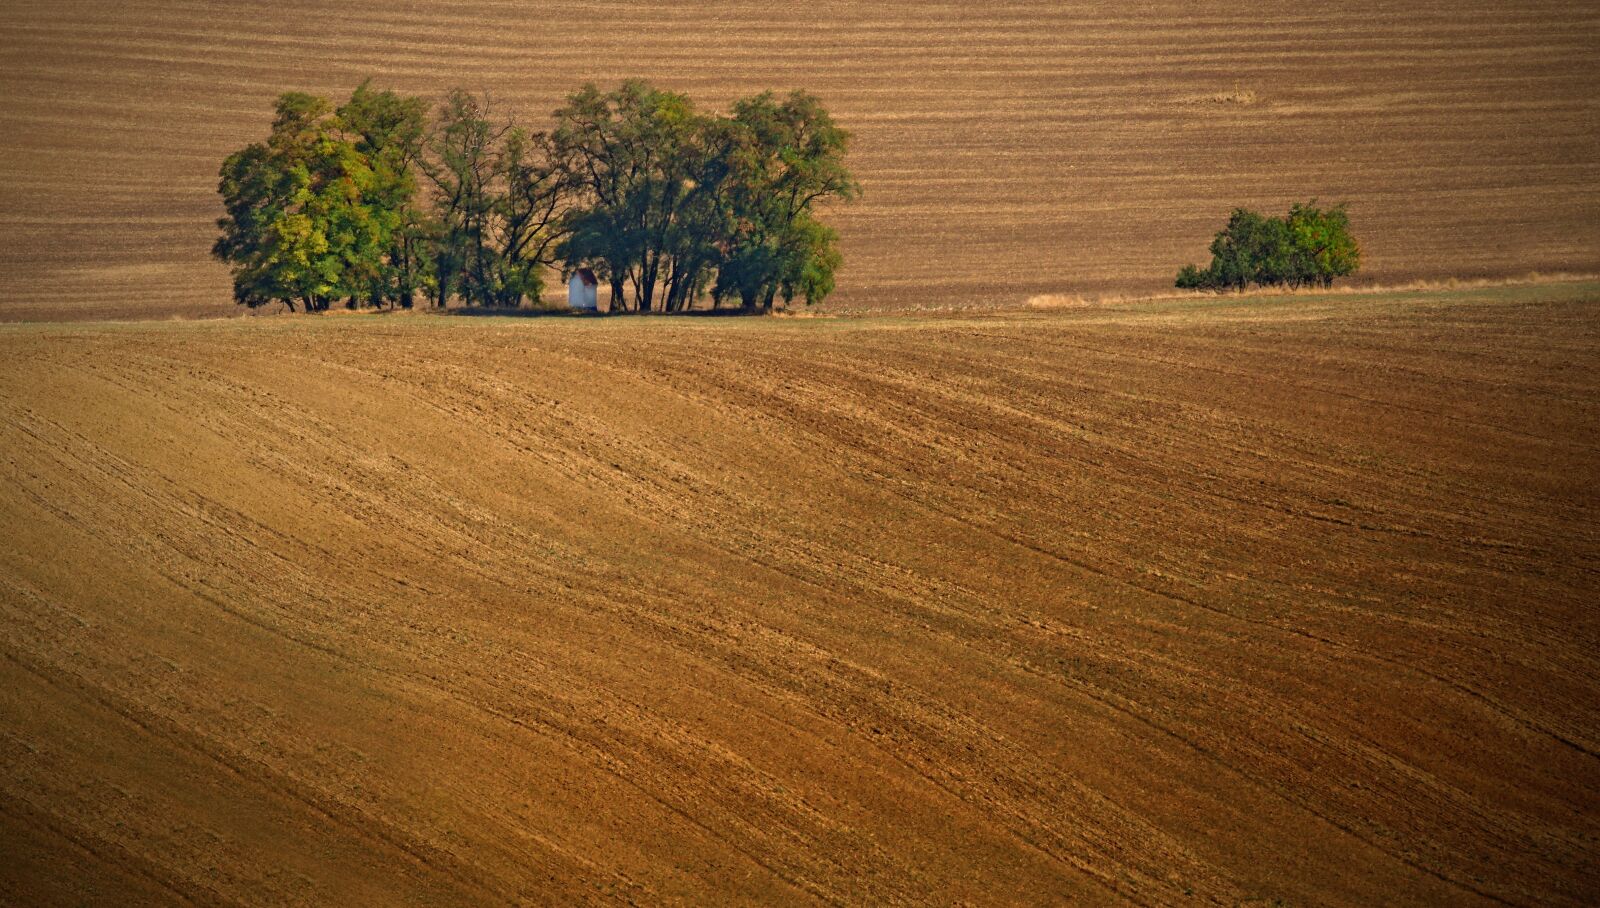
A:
[582,289]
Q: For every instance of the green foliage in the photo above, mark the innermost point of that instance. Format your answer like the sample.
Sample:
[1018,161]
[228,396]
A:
[1190,277]
[1321,243]
[787,156]
[633,157]
[387,131]
[300,225]
[460,163]
[1308,247]
[527,213]
[810,260]
[668,197]
[373,204]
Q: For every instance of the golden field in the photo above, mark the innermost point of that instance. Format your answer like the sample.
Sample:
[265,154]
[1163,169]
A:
[1285,600]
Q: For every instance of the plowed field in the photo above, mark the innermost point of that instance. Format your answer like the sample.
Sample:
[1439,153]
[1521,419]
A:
[1006,148]
[1216,603]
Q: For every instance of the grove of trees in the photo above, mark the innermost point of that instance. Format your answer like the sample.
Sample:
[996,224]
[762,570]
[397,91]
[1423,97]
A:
[377,203]
[1308,247]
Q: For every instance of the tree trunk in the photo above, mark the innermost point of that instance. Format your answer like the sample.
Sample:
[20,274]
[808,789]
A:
[647,287]
[619,297]
[675,289]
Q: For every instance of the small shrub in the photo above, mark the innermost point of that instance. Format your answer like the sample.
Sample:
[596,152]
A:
[1309,246]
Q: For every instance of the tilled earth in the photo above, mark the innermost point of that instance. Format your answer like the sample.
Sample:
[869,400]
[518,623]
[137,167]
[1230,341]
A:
[1006,148]
[1224,602]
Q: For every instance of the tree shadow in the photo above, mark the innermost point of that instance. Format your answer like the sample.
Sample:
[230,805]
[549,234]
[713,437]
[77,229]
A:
[491,312]
[725,312]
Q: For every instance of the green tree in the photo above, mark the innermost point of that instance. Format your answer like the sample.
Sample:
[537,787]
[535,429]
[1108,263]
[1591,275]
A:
[498,205]
[810,258]
[387,130]
[698,234]
[668,198]
[526,221]
[630,158]
[298,227]
[1251,249]
[790,158]
[1193,277]
[1308,246]
[1321,245]
[461,163]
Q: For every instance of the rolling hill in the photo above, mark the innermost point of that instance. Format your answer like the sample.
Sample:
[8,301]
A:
[1275,601]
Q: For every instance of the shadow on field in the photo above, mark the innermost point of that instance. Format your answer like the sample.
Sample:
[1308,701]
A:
[485,311]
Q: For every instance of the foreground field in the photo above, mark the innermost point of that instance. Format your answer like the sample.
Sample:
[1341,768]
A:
[1231,602]
[1007,148]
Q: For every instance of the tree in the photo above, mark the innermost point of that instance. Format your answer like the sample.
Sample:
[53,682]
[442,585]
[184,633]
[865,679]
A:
[498,205]
[461,163]
[324,209]
[1308,246]
[371,203]
[1321,245]
[526,222]
[1251,249]
[630,157]
[809,260]
[1190,277]
[697,237]
[298,226]
[790,157]
[670,200]
[387,130]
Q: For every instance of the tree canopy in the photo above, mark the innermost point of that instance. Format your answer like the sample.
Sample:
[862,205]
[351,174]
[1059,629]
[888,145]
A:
[376,203]
[1309,247]
[672,202]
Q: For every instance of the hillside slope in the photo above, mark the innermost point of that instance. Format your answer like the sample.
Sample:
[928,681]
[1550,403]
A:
[1283,600]
[1006,148]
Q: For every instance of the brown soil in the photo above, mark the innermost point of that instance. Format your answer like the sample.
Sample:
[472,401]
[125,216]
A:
[1224,602]
[1007,149]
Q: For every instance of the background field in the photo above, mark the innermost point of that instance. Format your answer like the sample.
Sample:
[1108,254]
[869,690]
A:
[1007,148]
[1223,602]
